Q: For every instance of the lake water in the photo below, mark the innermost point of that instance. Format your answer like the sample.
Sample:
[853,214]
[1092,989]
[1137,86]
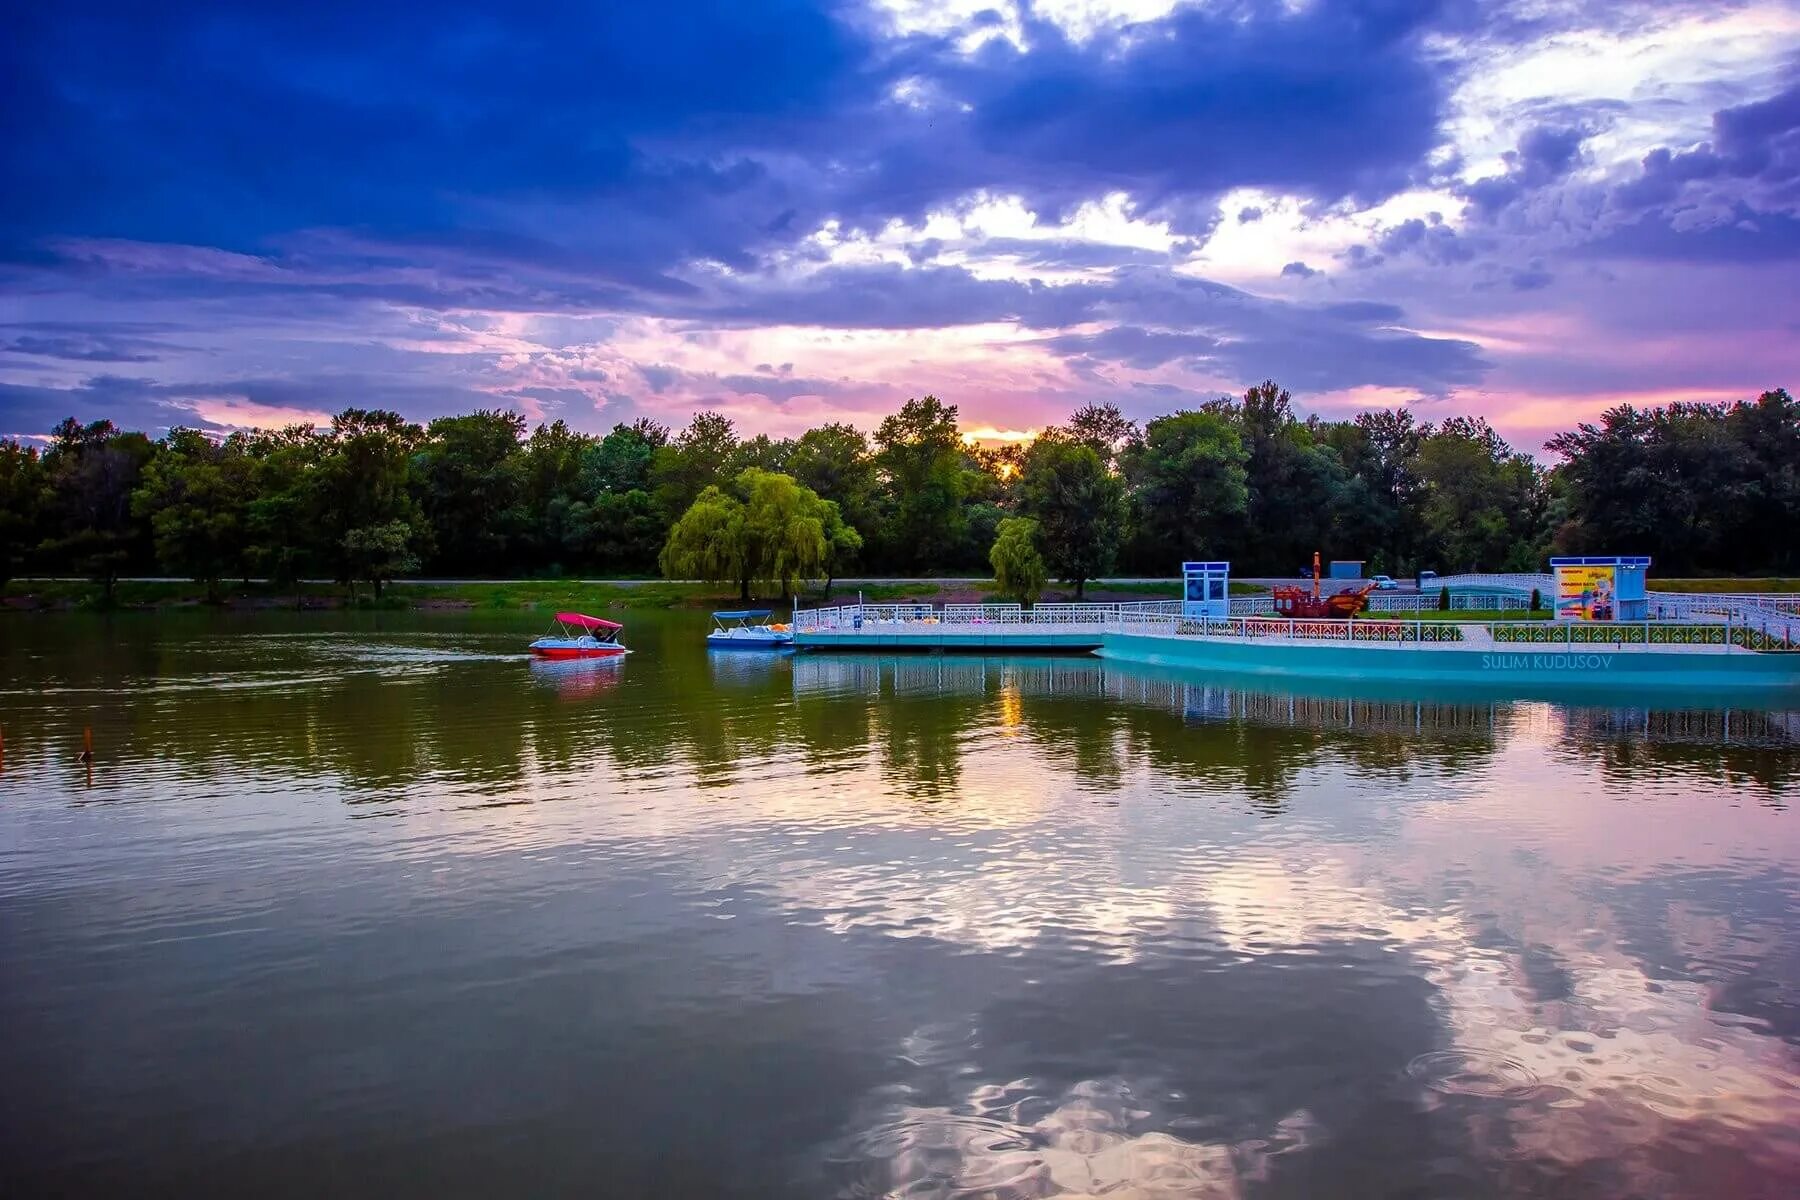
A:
[372,905]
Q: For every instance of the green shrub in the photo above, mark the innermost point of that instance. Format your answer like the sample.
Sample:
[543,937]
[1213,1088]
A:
[1444,599]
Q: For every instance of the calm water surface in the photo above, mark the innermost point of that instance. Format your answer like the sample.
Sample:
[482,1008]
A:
[374,906]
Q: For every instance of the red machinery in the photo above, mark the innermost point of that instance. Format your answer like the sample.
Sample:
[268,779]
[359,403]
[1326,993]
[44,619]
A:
[1295,602]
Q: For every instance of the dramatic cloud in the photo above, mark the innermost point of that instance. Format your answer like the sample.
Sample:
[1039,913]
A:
[231,214]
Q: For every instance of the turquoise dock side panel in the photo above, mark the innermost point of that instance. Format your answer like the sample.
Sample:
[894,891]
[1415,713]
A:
[1534,666]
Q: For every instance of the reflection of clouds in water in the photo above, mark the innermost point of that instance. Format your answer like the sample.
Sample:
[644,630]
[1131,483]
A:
[1014,1140]
[578,678]
[1601,1072]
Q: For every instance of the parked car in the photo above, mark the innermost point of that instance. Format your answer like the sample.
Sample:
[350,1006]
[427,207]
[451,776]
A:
[1384,584]
[1427,579]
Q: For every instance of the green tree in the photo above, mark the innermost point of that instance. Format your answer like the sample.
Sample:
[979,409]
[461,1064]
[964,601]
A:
[1103,429]
[766,529]
[468,476]
[843,543]
[785,526]
[359,483]
[620,532]
[1187,480]
[378,553]
[1291,481]
[1484,504]
[620,461]
[90,473]
[708,542]
[1019,571]
[196,494]
[278,543]
[920,461]
[762,452]
[700,456]
[1079,507]
[834,461]
[21,485]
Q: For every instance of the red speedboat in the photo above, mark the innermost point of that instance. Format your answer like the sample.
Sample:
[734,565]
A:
[580,636]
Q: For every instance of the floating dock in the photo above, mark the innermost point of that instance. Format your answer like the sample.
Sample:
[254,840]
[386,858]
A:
[1531,655]
[1728,655]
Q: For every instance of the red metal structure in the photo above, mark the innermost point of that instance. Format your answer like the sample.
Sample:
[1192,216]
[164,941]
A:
[1296,602]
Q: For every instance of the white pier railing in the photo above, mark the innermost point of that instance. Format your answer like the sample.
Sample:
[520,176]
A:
[1761,621]
[859,616]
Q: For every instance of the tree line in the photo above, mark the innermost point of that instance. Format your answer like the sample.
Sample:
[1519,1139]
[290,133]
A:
[1703,488]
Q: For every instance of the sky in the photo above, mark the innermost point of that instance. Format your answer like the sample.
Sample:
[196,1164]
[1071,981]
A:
[802,211]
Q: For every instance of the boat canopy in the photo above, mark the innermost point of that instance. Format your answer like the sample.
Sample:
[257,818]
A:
[583,621]
[743,614]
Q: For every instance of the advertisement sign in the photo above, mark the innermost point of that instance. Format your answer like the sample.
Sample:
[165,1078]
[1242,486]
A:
[1586,593]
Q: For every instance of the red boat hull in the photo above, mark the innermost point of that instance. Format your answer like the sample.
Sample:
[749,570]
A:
[570,652]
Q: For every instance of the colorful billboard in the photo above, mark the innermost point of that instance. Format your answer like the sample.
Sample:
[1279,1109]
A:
[1586,593]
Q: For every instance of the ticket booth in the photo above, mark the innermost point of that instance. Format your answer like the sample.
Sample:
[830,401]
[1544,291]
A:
[1602,588]
[1206,589]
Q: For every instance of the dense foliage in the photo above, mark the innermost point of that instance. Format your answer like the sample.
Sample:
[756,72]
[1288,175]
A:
[1704,488]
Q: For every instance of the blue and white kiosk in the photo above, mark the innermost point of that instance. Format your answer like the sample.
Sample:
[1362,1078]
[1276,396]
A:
[1602,588]
[1206,589]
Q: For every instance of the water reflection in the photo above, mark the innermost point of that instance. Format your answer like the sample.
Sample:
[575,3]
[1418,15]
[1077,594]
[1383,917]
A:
[860,926]
[578,679]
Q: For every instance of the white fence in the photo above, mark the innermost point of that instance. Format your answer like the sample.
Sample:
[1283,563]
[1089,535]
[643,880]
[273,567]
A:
[858,616]
[1459,602]
[1753,610]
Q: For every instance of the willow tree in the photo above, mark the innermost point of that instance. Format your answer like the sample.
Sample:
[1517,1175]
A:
[1018,567]
[767,529]
[708,542]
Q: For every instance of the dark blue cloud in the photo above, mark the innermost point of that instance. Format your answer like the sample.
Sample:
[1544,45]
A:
[1209,327]
[637,137]
[94,342]
[1298,270]
[1739,235]
[1545,155]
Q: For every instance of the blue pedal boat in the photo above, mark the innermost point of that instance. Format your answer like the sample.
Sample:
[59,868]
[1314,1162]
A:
[748,629]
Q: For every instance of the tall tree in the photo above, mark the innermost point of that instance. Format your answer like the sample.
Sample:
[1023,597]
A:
[834,461]
[21,485]
[1103,429]
[360,484]
[700,455]
[278,541]
[1291,482]
[766,529]
[1484,504]
[1079,507]
[1019,570]
[620,461]
[196,494]
[469,479]
[90,473]
[919,458]
[1188,486]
